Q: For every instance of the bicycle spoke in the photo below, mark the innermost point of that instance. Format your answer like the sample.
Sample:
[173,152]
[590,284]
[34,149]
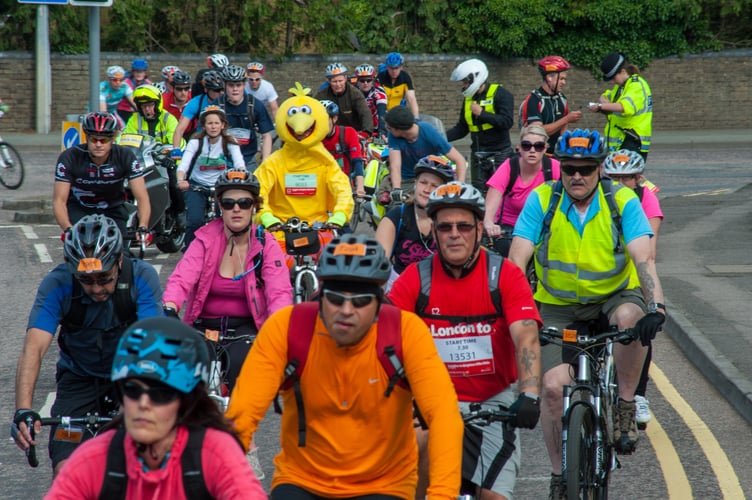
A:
[11,166]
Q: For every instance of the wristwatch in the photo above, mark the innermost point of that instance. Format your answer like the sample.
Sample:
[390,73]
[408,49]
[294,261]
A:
[654,306]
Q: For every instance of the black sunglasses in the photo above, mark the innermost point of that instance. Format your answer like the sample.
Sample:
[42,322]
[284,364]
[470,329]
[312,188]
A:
[358,301]
[462,227]
[182,89]
[570,170]
[229,203]
[539,146]
[91,280]
[366,80]
[159,394]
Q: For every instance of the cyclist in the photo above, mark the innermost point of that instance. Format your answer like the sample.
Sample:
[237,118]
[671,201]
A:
[509,187]
[175,100]
[358,443]
[488,340]
[151,120]
[547,105]
[163,408]
[214,62]
[247,117]
[405,231]
[344,145]
[397,84]
[302,179]
[112,92]
[207,156]
[353,109]
[89,177]
[409,141]
[628,106]
[626,167]
[589,237]
[375,97]
[215,87]
[166,84]
[487,114]
[83,296]
[230,278]
[260,88]
[137,77]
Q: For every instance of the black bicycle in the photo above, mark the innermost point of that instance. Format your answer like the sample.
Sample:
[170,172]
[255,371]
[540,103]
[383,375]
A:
[70,429]
[587,425]
[11,166]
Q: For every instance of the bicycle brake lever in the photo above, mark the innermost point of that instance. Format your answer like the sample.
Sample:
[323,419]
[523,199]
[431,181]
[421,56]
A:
[31,451]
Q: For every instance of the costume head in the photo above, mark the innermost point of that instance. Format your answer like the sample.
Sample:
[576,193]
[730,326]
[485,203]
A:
[302,121]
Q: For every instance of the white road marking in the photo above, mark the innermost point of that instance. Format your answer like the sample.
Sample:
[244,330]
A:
[157,267]
[42,252]
[46,409]
[28,231]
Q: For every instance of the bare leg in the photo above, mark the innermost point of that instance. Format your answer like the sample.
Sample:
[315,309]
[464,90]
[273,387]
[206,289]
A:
[551,412]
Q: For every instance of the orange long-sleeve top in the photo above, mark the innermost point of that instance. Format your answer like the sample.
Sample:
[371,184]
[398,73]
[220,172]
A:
[357,440]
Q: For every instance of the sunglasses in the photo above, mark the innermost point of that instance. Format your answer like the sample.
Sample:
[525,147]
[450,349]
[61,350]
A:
[254,79]
[462,227]
[159,394]
[539,146]
[99,139]
[570,170]
[182,89]
[366,80]
[229,203]
[116,79]
[91,281]
[358,301]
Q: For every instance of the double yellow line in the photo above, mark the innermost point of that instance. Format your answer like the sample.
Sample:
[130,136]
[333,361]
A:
[677,483]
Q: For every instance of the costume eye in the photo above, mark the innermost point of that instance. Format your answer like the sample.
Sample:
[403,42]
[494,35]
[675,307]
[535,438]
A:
[305,109]
[292,111]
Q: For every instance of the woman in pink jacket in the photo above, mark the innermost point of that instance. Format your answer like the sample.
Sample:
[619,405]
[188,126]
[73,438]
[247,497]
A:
[232,277]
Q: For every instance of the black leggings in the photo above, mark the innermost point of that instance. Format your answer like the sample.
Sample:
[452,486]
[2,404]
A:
[292,492]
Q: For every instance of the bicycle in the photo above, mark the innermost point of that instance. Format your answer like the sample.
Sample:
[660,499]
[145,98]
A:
[69,431]
[210,211]
[11,164]
[587,424]
[360,210]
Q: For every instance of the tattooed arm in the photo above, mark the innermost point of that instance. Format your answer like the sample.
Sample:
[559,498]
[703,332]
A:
[644,259]
[527,349]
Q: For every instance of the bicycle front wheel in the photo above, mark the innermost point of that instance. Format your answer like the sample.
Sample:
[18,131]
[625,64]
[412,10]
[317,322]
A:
[11,167]
[581,453]
[355,219]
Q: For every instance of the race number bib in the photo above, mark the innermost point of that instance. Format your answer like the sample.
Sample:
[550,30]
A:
[466,356]
[300,184]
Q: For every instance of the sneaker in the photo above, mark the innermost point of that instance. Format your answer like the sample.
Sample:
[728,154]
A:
[625,427]
[642,411]
[556,492]
[255,463]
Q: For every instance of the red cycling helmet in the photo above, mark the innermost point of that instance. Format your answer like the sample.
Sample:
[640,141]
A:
[552,64]
[101,124]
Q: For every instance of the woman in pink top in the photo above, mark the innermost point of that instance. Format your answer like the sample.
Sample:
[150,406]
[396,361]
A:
[513,181]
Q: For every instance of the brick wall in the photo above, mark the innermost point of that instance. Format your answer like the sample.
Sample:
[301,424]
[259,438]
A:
[708,91]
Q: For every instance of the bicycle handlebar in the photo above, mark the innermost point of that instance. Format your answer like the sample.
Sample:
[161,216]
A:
[88,420]
[551,333]
[482,417]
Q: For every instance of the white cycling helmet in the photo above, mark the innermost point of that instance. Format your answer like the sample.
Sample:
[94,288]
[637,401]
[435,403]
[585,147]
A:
[116,72]
[624,162]
[335,69]
[475,71]
[217,61]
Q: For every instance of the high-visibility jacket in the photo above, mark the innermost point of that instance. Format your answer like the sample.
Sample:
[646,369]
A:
[163,132]
[486,103]
[636,98]
[585,269]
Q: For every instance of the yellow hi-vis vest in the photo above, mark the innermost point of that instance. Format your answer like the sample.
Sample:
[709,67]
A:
[486,104]
[587,269]
[636,98]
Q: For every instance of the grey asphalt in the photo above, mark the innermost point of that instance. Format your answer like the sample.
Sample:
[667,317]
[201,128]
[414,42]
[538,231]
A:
[704,261]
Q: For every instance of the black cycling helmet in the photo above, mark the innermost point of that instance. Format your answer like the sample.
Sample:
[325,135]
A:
[354,258]
[93,245]
[165,350]
[456,194]
[181,78]
[233,73]
[100,123]
[237,178]
[212,80]
[331,107]
[579,144]
[436,165]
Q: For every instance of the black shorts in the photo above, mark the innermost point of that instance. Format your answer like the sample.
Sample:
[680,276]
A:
[292,492]
[76,397]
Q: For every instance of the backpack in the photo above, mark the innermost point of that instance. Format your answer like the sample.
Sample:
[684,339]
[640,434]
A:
[115,481]
[124,306]
[300,333]
[522,115]
[425,270]
[514,171]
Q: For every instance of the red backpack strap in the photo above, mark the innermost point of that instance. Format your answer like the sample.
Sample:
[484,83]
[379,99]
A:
[389,346]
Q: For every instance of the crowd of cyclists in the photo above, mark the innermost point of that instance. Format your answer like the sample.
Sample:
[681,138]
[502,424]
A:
[443,289]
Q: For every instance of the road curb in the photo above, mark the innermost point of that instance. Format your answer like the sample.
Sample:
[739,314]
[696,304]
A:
[724,376]
[36,217]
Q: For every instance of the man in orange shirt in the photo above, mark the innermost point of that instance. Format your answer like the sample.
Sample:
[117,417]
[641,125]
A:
[355,437]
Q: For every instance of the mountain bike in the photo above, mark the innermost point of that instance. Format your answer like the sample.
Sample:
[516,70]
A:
[11,164]
[360,210]
[588,454]
[70,429]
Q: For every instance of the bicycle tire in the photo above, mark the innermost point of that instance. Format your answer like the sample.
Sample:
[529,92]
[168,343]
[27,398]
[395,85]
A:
[355,219]
[307,289]
[580,453]
[11,166]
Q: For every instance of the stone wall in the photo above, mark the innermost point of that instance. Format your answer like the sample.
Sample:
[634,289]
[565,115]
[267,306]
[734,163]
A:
[708,91]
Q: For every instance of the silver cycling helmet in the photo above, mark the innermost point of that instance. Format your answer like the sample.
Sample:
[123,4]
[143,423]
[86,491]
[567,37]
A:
[336,69]
[624,162]
[233,73]
[456,194]
[93,245]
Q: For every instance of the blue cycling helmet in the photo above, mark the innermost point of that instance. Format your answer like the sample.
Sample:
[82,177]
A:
[394,60]
[165,350]
[581,144]
[139,65]
[331,107]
